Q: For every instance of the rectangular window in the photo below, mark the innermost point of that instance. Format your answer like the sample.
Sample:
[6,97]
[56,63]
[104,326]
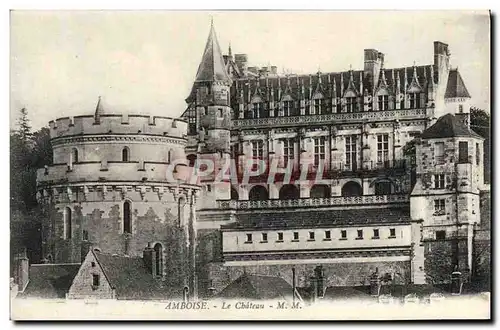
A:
[95,280]
[478,154]
[439,181]
[460,108]
[382,148]
[376,234]
[319,149]
[295,236]
[350,104]
[258,110]
[440,234]
[317,107]
[351,152]
[249,238]
[343,234]
[360,234]
[439,207]
[288,151]
[392,232]
[414,100]
[383,102]
[280,237]
[85,235]
[311,236]
[258,149]
[328,235]
[463,152]
[439,153]
[287,108]
[264,237]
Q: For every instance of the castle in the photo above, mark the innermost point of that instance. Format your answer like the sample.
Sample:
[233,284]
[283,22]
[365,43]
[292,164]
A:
[366,170]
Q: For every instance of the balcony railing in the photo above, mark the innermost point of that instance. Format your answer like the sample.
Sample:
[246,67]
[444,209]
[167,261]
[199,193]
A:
[333,117]
[311,202]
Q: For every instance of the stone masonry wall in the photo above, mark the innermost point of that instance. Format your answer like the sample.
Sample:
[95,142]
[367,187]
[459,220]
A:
[339,274]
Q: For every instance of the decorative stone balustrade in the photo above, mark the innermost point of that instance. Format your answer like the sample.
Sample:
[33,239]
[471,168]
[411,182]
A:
[333,117]
[312,202]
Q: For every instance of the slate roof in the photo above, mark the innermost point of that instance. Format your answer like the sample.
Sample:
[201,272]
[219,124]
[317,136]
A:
[49,281]
[322,218]
[132,280]
[212,66]
[331,83]
[448,126]
[257,287]
[456,86]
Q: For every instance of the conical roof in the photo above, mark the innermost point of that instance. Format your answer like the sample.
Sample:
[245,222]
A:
[456,86]
[212,67]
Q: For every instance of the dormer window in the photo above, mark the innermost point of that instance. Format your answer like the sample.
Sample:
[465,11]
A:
[350,104]
[258,110]
[414,99]
[317,107]
[287,108]
[383,102]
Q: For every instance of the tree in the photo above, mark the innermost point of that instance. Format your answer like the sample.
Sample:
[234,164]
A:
[480,122]
[28,152]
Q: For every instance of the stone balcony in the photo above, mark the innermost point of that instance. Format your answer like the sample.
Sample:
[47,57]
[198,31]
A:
[337,118]
[313,202]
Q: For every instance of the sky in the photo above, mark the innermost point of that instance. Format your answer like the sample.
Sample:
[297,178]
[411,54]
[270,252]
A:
[146,61]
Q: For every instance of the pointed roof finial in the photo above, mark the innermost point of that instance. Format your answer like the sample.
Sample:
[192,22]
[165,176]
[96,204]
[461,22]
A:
[230,53]
[99,110]
[212,66]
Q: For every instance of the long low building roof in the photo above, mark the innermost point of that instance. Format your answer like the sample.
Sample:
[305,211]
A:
[319,218]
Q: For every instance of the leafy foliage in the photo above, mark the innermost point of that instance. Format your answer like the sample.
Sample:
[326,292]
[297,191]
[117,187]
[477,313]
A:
[28,152]
[480,122]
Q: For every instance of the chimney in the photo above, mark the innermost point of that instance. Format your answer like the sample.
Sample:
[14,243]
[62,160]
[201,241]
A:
[441,55]
[241,61]
[274,70]
[373,63]
[319,274]
[22,270]
[149,257]
[375,283]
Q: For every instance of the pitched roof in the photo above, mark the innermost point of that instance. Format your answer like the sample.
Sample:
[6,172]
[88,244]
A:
[456,86]
[448,126]
[257,287]
[49,281]
[132,280]
[212,66]
[322,218]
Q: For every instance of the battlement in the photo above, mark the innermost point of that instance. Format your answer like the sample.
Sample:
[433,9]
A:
[118,124]
[105,172]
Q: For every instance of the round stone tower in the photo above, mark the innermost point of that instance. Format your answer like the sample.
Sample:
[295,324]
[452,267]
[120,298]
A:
[118,183]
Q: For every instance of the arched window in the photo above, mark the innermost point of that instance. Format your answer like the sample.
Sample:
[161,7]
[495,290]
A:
[67,223]
[258,193]
[158,259]
[383,188]
[192,160]
[125,154]
[352,188]
[127,217]
[74,155]
[320,191]
[289,191]
[234,194]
